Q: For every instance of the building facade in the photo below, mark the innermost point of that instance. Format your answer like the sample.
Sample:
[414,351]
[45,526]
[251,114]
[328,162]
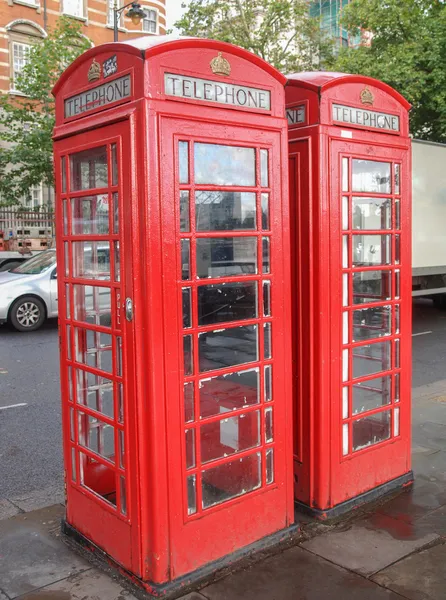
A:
[330,12]
[25,22]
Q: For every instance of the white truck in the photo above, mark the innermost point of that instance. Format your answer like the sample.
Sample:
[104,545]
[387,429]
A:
[429,221]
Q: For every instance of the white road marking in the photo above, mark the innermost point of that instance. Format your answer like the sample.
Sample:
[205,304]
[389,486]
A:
[421,333]
[13,406]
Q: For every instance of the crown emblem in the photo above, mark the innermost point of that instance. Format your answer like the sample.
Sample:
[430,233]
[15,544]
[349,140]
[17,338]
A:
[367,97]
[220,66]
[94,72]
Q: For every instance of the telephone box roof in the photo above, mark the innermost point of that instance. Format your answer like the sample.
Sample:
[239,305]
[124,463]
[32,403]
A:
[146,47]
[320,81]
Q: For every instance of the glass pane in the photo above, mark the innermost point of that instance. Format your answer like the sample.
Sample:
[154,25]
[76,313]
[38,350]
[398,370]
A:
[117,262]
[223,257]
[66,259]
[371,286]
[189,402]
[265,255]
[183,159]
[345,289]
[93,349]
[64,174]
[121,449]
[229,436]
[187,307]
[67,300]
[397,318]
[270,465]
[97,436]
[397,179]
[92,305]
[268,383]
[88,169]
[114,164]
[370,250]
[190,448]
[370,359]
[372,213]
[120,395]
[345,212]
[267,298]
[91,260]
[397,354]
[95,391]
[345,251]
[396,422]
[269,433]
[229,392]
[371,394]
[191,495]
[345,403]
[345,174]
[224,165]
[188,357]
[397,250]
[371,323]
[397,387]
[267,344]
[224,302]
[227,347]
[264,168]
[185,259]
[89,215]
[371,176]
[123,496]
[115,212]
[98,478]
[65,216]
[345,328]
[265,210]
[345,366]
[231,479]
[118,346]
[73,464]
[184,211]
[397,214]
[371,430]
[345,439]
[68,342]
[222,211]
[397,283]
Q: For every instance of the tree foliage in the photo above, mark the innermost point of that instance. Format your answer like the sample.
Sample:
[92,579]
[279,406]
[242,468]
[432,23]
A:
[27,119]
[281,32]
[407,51]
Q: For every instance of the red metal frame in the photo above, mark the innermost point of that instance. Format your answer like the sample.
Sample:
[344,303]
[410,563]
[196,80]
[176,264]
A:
[326,473]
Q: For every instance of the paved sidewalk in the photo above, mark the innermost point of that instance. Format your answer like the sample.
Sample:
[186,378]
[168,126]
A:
[393,550]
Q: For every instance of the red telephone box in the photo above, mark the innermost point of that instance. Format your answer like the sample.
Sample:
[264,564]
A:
[174,304]
[350,195]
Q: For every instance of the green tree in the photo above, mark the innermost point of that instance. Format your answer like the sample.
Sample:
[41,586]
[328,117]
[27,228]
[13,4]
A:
[281,32]
[407,51]
[27,122]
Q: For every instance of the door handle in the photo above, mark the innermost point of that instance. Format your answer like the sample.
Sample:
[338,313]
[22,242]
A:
[129,309]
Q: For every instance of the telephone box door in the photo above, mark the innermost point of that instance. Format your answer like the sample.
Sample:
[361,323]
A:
[229,434]
[95,301]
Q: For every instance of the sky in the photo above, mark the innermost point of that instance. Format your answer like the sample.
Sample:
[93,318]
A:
[174,11]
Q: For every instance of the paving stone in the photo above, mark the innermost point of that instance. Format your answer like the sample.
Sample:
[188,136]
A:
[421,576]
[430,466]
[32,554]
[7,509]
[365,549]
[423,498]
[193,596]
[296,575]
[40,498]
[90,585]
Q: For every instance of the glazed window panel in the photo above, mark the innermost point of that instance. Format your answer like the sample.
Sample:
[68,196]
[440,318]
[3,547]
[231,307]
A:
[89,215]
[371,358]
[370,250]
[371,286]
[371,176]
[226,257]
[92,304]
[98,478]
[372,323]
[229,392]
[371,213]
[94,349]
[91,260]
[371,394]
[224,165]
[225,211]
[97,436]
[371,430]
[227,347]
[89,169]
[95,391]
[229,436]
[225,302]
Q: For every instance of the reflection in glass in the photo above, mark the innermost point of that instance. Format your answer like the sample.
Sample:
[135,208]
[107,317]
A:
[397,214]
[345,251]
[91,260]
[267,340]
[269,434]
[264,168]
[184,211]
[231,479]
[190,448]
[89,215]
[268,383]
[345,402]
[397,318]
[229,392]
[121,449]
[371,213]
[396,422]
[265,210]
[345,439]
[227,347]
[191,495]
[73,465]
[371,430]
[221,211]
[370,250]
[345,213]
[123,495]
[270,465]
[67,301]
[345,174]
[371,176]
[64,174]
[224,302]
[88,169]
[68,342]
[397,250]
[267,298]
[371,323]
[185,259]
[188,357]
[371,286]
[345,328]
[224,165]
[114,165]
[397,179]
[371,358]
[117,262]
[397,283]
[95,391]
[65,216]
[345,289]
[371,394]
[187,308]
[229,436]
[183,159]
[345,367]
[115,212]
[92,304]
[397,354]
[97,436]
[93,349]
[189,402]
[66,258]
[265,255]
[397,387]
[229,256]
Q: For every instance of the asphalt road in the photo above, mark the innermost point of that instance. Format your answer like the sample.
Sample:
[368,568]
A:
[30,435]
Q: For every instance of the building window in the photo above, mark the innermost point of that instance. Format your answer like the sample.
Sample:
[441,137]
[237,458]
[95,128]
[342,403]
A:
[20,54]
[110,17]
[75,8]
[150,21]
[35,198]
